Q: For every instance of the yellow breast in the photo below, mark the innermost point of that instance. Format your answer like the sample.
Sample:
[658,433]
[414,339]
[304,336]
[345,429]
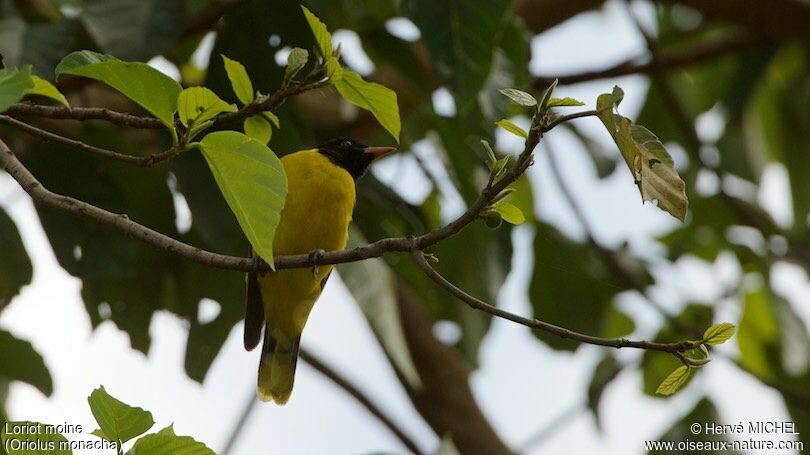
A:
[319,205]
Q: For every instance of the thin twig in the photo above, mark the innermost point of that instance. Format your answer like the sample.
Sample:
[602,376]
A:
[608,256]
[361,398]
[47,136]
[670,60]
[75,207]
[338,380]
[84,114]
[416,245]
[260,104]
[564,118]
[236,431]
[693,143]
[537,324]
[560,421]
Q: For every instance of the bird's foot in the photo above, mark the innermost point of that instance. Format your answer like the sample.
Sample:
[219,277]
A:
[260,266]
[314,257]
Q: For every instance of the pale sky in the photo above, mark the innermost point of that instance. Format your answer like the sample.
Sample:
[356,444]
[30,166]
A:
[522,386]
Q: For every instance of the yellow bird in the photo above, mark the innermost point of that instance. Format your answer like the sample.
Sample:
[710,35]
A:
[315,218]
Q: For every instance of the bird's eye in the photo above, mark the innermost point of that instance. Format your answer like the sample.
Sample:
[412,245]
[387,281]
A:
[346,143]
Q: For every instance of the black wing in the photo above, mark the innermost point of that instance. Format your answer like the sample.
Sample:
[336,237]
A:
[323,281]
[254,310]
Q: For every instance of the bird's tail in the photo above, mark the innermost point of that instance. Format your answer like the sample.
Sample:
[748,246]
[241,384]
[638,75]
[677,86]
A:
[277,366]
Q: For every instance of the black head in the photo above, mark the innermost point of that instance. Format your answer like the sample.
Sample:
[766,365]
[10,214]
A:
[352,155]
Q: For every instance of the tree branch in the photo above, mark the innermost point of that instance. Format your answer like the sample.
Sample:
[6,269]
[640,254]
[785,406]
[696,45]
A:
[619,269]
[776,18]
[260,104]
[47,136]
[339,381]
[85,113]
[669,60]
[361,398]
[564,118]
[693,143]
[537,324]
[415,245]
[121,222]
[443,396]
[247,411]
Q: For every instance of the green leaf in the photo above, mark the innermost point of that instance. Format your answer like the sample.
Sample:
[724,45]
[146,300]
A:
[569,271]
[378,99]
[377,299]
[656,366]
[563,102]
[674,381]
[272,118]
[258,128]
[515,43]
[295,61]
[500,166]
[14,84]
[523,197]
[33,438]
[649,162]
[605,372]
[519,97]
[718,333]
[46,89]
[512,128]
[133,29]
[490,152]
[610,100]
[15,266]
[151,89]
[20,362]
[460,36]
[118,420]
[195,105]
[759,333]
[40,43]
[547,96]
[240,81]
[334,72]
[112,267]
[81,58]
[166,441]
[779,110]
[509,213]
[253,182]
[478,271]
[322,36]
[617,324]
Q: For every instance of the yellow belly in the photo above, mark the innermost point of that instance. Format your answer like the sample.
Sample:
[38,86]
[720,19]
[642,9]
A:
[316,215]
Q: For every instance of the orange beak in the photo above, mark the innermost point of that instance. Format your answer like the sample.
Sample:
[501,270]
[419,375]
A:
[379,152]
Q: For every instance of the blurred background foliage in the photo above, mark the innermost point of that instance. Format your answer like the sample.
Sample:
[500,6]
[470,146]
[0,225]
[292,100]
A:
[756,80]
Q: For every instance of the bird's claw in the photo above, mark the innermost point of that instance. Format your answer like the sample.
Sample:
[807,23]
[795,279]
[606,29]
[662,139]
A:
[314,257]
[259,265]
